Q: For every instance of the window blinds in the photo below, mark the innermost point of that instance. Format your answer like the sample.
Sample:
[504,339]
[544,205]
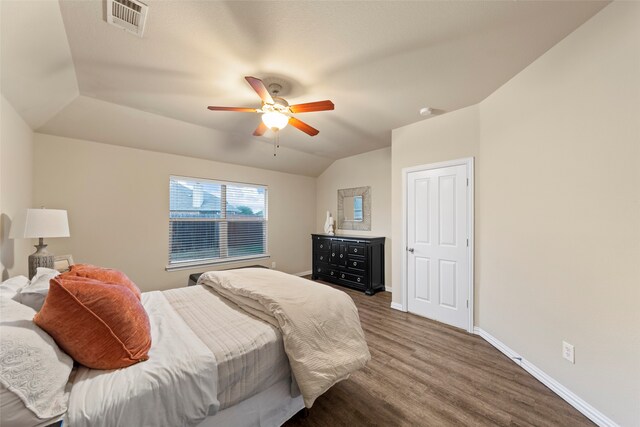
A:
[212,221]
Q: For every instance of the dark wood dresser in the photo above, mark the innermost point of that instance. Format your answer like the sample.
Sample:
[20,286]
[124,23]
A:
[353,261]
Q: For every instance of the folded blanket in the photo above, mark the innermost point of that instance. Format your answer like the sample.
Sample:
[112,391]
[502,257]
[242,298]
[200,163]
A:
[320,326]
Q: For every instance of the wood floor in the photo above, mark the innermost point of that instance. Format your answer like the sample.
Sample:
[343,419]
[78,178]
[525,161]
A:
[423,373]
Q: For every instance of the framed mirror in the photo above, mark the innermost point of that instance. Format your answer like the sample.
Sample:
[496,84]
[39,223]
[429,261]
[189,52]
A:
[354,209]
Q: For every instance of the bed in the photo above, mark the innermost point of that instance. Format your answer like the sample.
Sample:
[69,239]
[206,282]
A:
[216,360]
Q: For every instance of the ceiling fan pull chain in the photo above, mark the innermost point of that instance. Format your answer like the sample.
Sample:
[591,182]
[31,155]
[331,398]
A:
[276,141]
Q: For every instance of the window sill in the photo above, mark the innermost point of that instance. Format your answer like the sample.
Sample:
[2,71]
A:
[189,265]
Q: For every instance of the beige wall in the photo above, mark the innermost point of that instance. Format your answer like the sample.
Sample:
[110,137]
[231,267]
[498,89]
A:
[558,212]
[557,208]
[371,169]
[118,200]
[16,195]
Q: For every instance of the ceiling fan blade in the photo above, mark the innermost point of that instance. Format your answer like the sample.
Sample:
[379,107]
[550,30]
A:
[260,89]
[312,106]
[298,124]
[239,109]
[261,129]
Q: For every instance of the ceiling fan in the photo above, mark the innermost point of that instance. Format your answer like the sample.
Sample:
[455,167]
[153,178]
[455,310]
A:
[276,111]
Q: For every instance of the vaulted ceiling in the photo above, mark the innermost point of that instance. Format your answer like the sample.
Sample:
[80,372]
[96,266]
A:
[72,74]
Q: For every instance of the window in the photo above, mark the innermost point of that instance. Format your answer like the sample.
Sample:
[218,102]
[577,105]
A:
[215,221]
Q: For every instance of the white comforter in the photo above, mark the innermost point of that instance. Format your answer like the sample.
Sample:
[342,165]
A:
[177,386]
[249,352]
[320,326]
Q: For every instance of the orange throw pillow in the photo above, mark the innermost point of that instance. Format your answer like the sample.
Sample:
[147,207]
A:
[107,275]
[99,325]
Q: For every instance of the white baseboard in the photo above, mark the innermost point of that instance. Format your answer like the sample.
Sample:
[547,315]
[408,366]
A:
[397,306]
[304,273]
[499,345]
[571,398]
[387,289]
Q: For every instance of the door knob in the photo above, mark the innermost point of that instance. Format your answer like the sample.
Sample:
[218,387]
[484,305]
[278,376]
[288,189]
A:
[410,250]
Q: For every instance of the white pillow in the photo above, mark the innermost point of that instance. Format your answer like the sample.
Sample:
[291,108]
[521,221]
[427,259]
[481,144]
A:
[13,412]
[11,287]
[33,367]
[36,291]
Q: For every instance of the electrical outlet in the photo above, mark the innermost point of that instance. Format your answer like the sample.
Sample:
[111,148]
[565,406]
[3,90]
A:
[568,352]
[273,265]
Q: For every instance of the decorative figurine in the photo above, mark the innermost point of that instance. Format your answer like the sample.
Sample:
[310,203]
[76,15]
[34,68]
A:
[328,224]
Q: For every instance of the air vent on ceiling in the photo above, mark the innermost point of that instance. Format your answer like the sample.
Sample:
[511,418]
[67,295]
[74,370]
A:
[130,15]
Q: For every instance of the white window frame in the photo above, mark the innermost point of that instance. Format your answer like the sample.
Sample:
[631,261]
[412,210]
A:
[183,265]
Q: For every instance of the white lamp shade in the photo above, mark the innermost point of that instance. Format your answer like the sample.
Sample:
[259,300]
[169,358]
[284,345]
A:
[38,223]
[275,120]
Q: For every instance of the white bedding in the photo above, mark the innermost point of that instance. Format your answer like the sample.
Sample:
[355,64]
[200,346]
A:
[320,327]
[34,371]
[250,353]
[177,386]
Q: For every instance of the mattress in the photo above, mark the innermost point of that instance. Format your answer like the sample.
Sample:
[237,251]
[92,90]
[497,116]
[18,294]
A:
[269,408]
[249,352]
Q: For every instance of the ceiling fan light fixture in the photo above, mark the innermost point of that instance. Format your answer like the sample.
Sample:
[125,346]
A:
[276,111]
[275,120]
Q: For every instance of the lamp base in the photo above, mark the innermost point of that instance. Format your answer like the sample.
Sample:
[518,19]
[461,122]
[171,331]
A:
[40,258]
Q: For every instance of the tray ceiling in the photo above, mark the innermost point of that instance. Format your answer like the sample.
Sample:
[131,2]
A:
[379,62]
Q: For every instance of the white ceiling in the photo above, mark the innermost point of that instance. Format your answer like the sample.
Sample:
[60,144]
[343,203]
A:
[379,62]
[95,120]
[37,77]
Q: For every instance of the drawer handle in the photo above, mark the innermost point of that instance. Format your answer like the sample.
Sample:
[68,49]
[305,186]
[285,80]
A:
[342,276]
[355,250]
[358,280]
[319,270]
[333,254]
[332,273]
[355,263]
[341,255]
[321,258]
[321,246]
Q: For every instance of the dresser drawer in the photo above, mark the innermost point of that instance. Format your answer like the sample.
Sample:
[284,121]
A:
[355,249]
[324,269]
[322,244]
[355,278]
[332,272]
[322,256]
[356,264]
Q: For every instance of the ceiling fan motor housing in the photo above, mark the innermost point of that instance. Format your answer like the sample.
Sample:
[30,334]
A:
[277,86]
[280,101]
[274,89]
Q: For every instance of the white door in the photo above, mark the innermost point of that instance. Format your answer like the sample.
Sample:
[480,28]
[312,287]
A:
[437,244]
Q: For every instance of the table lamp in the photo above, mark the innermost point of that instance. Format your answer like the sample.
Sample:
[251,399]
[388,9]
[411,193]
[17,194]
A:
[40,223]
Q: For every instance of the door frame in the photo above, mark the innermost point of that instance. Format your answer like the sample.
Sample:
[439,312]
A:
[468,162]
